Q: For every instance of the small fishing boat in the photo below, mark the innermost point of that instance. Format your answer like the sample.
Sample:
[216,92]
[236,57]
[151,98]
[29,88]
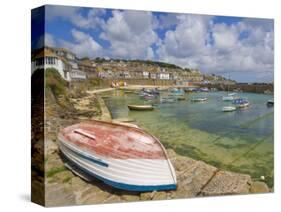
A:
[270,103]
[241,103]
[167,100]
[140,107]
[176,91]
[205,89]
[121,156]
[181,98]
[149,96]
[228,109]
[155,91]
[199,99]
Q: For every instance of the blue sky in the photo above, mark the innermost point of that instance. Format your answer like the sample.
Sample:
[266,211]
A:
[240,47]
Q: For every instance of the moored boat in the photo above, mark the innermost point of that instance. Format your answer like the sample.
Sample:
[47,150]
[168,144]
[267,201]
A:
[270,103]
[228,109]
[167,100]
[176,91]
[205,89]
[181,98]
[121,156]
[190,90]
[140,107]
[241,103]
[199,99]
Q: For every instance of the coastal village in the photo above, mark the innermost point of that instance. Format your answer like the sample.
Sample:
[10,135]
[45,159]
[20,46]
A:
[72,68]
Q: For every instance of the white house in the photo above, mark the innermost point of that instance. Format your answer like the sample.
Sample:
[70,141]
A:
[47,59]
[76,74]
[145,74]
[152,75]
[163,75]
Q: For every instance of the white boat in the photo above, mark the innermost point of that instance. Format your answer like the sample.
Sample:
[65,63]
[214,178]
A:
[199,99]
[121,156]
[167,100]
[228,108]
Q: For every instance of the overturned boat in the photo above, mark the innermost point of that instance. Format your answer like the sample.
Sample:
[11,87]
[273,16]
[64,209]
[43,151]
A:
[121,156]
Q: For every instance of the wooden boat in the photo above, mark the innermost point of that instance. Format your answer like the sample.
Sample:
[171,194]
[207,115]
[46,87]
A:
[140,107]
[121,156]
[228,109]
[199,99]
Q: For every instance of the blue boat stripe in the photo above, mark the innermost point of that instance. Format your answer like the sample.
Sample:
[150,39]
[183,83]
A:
[128,187]
[92,159]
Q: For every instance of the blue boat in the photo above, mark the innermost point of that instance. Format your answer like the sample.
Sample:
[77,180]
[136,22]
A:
[205,89]
[241,102]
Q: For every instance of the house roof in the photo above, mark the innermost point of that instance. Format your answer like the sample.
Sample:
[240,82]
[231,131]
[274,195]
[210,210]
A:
[45,53]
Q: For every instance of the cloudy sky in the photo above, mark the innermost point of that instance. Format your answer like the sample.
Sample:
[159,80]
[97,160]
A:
[240,47]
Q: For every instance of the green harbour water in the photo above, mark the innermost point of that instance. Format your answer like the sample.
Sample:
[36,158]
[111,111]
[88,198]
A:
[240,141]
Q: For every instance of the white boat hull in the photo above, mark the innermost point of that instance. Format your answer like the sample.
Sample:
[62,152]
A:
[228,109]
[126,174]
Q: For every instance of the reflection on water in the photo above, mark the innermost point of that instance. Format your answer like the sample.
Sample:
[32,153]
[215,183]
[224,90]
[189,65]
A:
[239,141]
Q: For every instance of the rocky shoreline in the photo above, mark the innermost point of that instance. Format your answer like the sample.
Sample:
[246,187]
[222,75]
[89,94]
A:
[195,178]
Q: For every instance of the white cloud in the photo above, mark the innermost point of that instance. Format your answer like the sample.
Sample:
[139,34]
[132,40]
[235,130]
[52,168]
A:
[84,45]
[187,41]
[197,42]
[225,37]
[130,34]
[90,20]
[46,40]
